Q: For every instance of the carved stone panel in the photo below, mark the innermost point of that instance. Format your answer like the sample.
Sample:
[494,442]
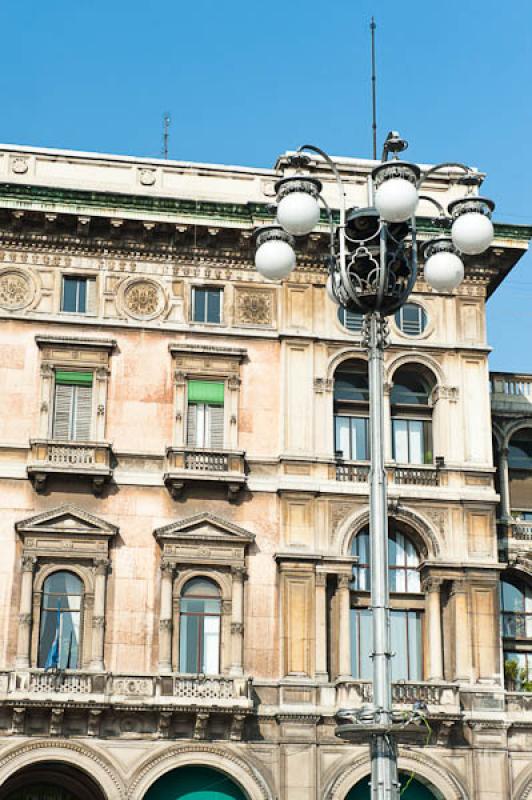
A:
[254,307]
[16,289]
[143,299]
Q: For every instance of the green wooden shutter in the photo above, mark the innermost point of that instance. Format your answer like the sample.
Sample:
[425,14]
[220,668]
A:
[83,413]
[211,392]
[215,435]
[63,405]
[192,421]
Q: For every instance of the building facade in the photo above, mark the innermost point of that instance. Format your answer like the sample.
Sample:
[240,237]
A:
[184,583]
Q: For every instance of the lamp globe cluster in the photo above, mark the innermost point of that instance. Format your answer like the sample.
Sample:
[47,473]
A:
[396,198]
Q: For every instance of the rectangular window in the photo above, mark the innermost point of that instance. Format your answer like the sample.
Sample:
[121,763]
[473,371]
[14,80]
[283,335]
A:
[412,441]
[72,406]
[207,305]
[79,295]
[351,437]
[205,416]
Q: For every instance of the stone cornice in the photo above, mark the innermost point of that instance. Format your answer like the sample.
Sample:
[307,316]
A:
[74,341]
[248,213]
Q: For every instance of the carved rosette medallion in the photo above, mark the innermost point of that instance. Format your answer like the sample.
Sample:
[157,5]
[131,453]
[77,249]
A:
[254,307]
[143,299]
[16,290]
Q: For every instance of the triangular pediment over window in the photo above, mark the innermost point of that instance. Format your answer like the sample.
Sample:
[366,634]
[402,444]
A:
[204,538]
[66,520]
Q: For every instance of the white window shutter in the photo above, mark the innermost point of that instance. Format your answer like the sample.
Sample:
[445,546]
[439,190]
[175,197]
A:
[91,296]
[216,427]
[83,413]
[192,424]
[63,406]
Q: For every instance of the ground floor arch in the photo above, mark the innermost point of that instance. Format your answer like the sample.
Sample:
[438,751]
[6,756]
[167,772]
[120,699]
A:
[195,782]
[411,789]
[51,780]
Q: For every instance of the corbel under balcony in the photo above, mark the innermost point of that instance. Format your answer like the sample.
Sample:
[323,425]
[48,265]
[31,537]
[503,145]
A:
[91,460]
[187,465]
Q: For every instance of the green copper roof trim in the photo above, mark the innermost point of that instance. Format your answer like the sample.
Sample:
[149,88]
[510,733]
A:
[18,195]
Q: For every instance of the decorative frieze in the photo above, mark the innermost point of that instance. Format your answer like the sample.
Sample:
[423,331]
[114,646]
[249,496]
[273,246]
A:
[143,299]
[254,307]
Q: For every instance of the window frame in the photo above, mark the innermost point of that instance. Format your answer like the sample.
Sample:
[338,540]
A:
[342,316]
[86,279]
[62,569]
[403,411]
[410,601]
[73,409]
[423,319]
[351,408]
[201,643]
[220,291]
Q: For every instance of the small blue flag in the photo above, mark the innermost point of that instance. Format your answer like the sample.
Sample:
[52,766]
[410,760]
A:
[52,660]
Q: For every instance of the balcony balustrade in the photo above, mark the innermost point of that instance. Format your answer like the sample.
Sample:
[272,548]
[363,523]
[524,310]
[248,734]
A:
[191,464]
[91,460]
[178,690]
[440,696]
[358,472]
[511,392]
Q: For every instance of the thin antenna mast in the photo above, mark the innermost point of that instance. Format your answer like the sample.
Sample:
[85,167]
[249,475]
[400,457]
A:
[166,128]
[373,87]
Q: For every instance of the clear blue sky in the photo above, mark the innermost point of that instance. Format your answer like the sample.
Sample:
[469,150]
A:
[244,81]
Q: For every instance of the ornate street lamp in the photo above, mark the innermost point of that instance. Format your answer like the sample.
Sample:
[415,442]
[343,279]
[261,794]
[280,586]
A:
[372,266]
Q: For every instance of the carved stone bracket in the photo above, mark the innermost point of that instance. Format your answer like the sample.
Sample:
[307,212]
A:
[163,724]
[17,721]
[237,726]
[200,725]
[93,727]
[56,721]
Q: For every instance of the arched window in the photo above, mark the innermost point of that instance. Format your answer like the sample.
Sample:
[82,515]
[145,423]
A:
[407,604]
[516,626]
[59,635]
[412,416]
[351,411]
[199,627]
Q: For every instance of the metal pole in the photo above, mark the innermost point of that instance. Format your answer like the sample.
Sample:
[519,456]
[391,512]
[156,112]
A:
[384,777]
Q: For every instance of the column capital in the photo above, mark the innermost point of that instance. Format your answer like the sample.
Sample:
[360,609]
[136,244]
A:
[101,566]
[237,627]
[28,563]
[431,584]
[238,571]
[168,569]
[344,581]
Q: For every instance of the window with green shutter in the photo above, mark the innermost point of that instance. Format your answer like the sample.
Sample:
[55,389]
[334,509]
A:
[205,414]
[72,406]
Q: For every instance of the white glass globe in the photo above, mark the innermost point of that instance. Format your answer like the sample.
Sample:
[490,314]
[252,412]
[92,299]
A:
[329,290]
[298,213]
[472,233]
[396,200]
[275,259]
[444,271]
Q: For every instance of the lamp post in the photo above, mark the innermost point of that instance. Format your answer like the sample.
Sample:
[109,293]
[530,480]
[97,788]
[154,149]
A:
[372,264]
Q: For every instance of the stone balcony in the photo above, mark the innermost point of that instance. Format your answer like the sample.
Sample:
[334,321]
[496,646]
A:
[100,702]
[439,697]
[515,537]
[511,393]
[187,465]
[48,457]
[405,475]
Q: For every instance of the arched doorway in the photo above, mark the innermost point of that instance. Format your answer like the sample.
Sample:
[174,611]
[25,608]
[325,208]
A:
[51,781]
[194,783]
[415,790]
